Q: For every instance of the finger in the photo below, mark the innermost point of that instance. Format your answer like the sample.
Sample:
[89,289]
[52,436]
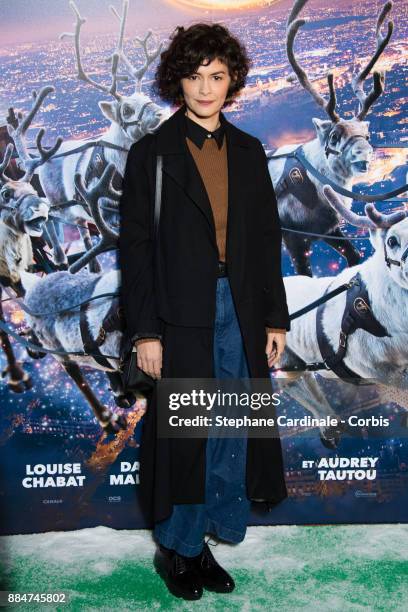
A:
[278,356]
[150,367]
[142,363]
[281,349]
[156,368]
[145,366]
[159,367]
[281,343]
[270,349]
[273,358]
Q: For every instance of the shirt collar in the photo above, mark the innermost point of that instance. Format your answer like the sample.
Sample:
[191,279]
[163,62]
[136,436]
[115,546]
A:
[198,134]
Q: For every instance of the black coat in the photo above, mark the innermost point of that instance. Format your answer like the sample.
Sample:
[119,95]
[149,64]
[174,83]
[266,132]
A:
[174,294]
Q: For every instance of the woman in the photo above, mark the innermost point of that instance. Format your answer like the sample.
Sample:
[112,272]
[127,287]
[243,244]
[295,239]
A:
[207,300]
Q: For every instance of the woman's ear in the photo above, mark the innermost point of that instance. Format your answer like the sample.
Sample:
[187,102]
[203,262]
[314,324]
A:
[236,73]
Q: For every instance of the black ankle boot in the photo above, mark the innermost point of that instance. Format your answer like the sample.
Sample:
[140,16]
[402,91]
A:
[179,573]
[213,576]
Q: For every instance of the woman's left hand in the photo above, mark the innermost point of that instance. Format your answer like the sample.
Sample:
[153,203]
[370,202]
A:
[275,346]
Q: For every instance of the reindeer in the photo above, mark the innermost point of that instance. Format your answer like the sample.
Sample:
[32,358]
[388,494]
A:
[377,351]
[95,327]
[341,151]
[64,331]
[22,217]
[130,118]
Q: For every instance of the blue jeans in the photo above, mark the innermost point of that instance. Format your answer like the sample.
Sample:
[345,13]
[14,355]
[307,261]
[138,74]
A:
[226,509]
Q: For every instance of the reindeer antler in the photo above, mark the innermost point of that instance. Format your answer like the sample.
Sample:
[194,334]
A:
[33,163]
[6,160]
[136,73]
[373,219]
[292,27]
[19,124]
[102,190]
[367,100]
[17,128]
[112,90]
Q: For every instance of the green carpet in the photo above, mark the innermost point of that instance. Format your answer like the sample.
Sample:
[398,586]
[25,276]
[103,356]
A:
[285,568]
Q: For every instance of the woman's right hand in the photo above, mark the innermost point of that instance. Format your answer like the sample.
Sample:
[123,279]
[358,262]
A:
[149,357]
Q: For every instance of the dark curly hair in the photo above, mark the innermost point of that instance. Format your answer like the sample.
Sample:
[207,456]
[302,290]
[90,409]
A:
[191,47]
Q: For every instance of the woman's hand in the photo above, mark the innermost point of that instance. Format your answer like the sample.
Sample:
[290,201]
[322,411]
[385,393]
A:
[275,346]
[149,357]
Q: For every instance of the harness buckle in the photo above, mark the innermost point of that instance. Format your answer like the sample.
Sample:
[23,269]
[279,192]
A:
[101,336]
[326,365]
[353,281]
[343,338]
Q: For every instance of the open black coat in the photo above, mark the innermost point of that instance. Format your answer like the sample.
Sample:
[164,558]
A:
[174,292]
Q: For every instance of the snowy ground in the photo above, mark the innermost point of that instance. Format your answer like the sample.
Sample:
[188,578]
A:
[286,568]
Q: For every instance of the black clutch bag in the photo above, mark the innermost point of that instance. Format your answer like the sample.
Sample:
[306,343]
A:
[134,379]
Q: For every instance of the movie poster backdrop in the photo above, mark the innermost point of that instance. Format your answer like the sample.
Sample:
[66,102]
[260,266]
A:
[327,96]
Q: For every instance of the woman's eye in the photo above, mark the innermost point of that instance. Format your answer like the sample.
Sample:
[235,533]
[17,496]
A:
[194,77]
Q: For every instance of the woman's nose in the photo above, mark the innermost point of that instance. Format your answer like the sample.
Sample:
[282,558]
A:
[205,88]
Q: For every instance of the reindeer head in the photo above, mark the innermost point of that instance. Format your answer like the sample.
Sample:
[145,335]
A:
[346,145]
[344,141]
[136,114]
[388,234]
[21,208]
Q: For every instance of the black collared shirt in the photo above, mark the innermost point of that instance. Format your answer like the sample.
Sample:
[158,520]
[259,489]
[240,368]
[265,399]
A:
[197,133]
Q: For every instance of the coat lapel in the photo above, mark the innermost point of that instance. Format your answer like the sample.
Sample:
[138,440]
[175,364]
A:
[180,165]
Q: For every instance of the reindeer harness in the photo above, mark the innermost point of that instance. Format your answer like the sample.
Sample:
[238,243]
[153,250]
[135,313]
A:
[97,165]
[294,178]
[123,124]
[395,262]
[296,181]
[113,321]
[357,315]
[98,161]
[329,150]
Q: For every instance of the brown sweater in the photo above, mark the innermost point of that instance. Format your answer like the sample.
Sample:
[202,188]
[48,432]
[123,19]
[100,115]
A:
[212,164]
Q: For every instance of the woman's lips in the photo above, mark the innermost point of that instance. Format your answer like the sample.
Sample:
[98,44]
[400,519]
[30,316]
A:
[204,102]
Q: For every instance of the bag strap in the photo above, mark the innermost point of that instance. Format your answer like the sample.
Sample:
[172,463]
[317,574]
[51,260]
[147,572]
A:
[158,193]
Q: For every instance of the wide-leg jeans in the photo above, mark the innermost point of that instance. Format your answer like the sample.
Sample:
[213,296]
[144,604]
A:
[226,509]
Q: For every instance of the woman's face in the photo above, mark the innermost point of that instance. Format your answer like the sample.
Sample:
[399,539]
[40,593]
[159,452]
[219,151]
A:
[209,84]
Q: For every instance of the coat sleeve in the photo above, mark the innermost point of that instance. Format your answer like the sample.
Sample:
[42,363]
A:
[135,247]
[277,308]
